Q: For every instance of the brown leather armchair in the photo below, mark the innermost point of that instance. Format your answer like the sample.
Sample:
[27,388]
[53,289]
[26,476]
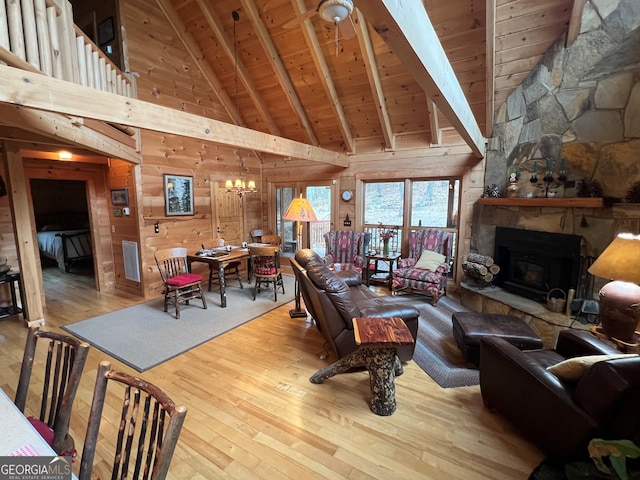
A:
[561,417]
[334,298]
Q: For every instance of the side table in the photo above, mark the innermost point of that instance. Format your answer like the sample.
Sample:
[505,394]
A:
[11,278]
[379,339]
[390,259]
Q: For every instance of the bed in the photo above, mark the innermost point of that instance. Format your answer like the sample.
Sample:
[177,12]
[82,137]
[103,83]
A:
[65,243]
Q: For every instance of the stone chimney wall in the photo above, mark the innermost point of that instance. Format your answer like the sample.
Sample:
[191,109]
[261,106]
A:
[578,108]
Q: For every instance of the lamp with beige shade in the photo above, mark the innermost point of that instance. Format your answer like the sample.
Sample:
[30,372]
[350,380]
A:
[300,210]
[620,298]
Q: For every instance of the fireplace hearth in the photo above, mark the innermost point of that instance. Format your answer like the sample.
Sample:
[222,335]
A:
[532,263]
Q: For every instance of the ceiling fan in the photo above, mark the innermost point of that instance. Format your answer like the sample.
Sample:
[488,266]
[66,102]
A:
[337,12]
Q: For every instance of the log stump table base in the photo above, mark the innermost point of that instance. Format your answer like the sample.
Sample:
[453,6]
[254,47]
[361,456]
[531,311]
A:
[378,339]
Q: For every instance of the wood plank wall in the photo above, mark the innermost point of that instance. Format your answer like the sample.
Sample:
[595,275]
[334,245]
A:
[417,163]
[121,174]
[157,55]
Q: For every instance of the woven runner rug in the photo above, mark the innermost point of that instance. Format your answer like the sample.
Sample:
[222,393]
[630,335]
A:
[436,350]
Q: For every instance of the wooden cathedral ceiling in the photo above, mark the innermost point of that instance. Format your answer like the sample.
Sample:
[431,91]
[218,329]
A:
[291,82]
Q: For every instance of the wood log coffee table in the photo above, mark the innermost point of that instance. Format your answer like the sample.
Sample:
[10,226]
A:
[379,339]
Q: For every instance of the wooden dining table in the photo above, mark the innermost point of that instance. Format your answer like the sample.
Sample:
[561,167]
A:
[218,259]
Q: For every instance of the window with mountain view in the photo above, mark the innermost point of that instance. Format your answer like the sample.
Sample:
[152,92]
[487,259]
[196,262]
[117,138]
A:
[428,203]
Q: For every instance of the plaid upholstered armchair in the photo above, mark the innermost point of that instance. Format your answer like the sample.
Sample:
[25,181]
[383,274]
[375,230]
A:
[346,248]
[427,266]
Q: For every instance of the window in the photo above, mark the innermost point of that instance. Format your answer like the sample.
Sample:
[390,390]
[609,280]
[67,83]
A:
[429,203]
[434,203]
[384,203]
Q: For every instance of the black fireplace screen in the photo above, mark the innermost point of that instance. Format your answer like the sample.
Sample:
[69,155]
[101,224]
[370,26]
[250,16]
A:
[532,263]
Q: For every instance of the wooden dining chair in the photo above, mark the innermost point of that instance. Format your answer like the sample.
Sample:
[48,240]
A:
[256,235]
[145,432]
[60,376]
[275,240]
[180,285]
[265,268]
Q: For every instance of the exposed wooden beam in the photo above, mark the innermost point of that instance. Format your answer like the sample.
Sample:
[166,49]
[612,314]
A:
[406,28]
[371,65]
[198,57]
[44,93]
[490,56]
[281,72]
[17,134]
[60,128]
[407,155]
[229,50]
[575,22]
[325,75]
[49,153]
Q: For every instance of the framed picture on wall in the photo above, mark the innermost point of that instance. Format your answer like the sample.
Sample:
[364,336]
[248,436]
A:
[120,197]
[178,195]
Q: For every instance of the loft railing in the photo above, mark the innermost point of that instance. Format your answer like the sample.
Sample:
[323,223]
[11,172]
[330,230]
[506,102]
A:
[40,36]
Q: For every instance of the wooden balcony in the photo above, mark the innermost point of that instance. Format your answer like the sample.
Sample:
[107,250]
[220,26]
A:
[39,36]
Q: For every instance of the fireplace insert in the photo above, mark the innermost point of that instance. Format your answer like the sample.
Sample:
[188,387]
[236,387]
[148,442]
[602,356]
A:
[532,263]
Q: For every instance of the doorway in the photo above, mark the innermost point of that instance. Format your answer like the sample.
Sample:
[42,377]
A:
[62,221]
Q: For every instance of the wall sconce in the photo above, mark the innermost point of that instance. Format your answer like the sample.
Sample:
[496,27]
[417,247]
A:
[347,221]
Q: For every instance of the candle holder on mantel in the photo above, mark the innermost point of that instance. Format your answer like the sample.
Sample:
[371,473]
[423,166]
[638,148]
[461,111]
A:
[548,180]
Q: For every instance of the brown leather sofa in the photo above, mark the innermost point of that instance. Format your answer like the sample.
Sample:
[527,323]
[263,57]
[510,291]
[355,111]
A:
[561,417]
[334,298]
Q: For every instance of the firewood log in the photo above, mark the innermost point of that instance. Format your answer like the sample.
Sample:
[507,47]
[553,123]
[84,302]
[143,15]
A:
[475,270]
[481,259]
[495,269]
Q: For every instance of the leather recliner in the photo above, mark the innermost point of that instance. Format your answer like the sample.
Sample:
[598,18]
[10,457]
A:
[560,416]
[334,298]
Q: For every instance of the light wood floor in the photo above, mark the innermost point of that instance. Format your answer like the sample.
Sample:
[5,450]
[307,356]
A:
[253,414]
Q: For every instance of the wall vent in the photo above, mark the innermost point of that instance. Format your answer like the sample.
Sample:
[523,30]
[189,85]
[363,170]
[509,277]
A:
[131,260]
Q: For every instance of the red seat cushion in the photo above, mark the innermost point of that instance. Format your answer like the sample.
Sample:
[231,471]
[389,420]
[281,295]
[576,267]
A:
[42,428]
[266,270]
[184,279]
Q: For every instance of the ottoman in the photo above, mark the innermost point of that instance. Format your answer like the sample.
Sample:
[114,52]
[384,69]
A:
[470,327]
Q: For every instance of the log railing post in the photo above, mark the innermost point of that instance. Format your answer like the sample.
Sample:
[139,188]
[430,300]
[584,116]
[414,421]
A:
[40,36]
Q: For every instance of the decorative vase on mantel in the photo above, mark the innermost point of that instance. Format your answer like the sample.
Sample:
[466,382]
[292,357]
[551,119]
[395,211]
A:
[385,248]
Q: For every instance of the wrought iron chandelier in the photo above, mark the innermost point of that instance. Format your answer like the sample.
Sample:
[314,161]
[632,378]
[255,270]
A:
[239,187]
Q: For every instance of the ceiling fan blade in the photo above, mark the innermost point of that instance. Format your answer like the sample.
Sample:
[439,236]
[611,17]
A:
[298,20]
[347,29]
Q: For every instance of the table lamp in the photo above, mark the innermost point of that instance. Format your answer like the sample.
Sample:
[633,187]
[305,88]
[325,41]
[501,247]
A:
[620,298]
[300,210]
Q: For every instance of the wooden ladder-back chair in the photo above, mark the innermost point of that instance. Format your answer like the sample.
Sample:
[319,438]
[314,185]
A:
[180,285]
[265,268]
[274,240]
[65,360]
[147,429]
[256,235]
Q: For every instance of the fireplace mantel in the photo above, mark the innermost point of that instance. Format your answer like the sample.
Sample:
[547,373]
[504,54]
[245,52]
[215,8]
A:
[544,202]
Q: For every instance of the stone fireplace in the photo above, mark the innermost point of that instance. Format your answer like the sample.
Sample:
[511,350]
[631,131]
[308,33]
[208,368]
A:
[532,263]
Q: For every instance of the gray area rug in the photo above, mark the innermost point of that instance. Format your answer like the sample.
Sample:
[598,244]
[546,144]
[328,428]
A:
[436,350]
[144,336]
